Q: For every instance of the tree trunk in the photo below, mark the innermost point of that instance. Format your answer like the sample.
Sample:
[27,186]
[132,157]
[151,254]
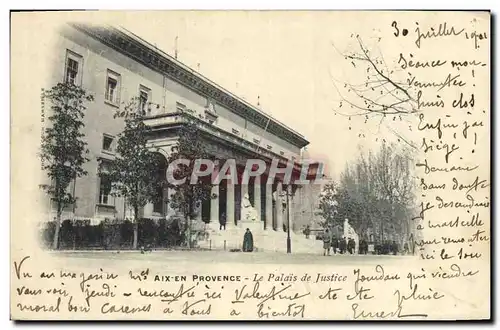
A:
[136,228]
[55,242]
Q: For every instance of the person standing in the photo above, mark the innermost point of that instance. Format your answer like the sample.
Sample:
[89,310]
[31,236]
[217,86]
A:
[395,248]
[248,241]
[307,231]
[351,245]
[405,248]
[335,244]
[326,243]
[365,246]
[343,245]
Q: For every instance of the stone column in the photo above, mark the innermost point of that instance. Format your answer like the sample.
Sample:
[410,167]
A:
[279,207]
[290,206]
[215,191]
[243,192]
[269,206]
[214,204]
[256,197]
[230,204]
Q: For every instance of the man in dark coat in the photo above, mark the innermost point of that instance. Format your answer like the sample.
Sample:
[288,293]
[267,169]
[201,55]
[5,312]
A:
[351,245]
[395,248]
[361,249]
[248,241]
[387,247]
[342,245]
[335,244]
[326,242]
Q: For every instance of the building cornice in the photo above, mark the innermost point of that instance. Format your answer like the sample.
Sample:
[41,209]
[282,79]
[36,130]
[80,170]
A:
[147,55]
[215,133]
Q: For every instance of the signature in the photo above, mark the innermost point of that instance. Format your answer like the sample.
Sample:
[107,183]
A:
[359,313]
[414,295]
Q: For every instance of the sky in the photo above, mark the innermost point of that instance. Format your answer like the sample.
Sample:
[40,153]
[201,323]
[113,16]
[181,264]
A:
[286,60]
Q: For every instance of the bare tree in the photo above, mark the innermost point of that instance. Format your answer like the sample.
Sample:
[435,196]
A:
[375,192]
[394,185]
[380,94]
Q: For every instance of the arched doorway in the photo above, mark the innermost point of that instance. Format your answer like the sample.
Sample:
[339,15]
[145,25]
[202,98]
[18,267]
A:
[161,200]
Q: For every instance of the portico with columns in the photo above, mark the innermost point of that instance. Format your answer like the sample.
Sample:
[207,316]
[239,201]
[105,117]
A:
[268,200]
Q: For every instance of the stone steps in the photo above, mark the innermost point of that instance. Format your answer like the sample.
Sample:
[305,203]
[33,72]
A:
[264,240]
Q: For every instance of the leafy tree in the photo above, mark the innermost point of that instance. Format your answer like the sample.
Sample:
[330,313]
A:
[188,196]
[63,149]
[133,172]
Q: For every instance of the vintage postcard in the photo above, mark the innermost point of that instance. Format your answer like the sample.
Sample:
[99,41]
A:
[250,165]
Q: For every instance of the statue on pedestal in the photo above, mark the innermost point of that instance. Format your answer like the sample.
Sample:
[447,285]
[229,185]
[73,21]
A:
[248,212]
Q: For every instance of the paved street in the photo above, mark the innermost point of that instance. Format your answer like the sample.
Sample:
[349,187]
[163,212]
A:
[215,257]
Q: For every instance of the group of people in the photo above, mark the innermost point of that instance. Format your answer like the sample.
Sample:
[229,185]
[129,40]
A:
[388,247]
[342,245]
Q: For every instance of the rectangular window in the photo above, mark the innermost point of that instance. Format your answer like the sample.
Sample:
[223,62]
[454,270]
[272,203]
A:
[104,189]
[256,141]
[107,143]
[73,68]
[104,184]
[144,99]
[113,87]
[269,147]
[235,131]
[71,71]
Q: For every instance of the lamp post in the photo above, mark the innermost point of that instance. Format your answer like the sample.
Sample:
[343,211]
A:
[288,240]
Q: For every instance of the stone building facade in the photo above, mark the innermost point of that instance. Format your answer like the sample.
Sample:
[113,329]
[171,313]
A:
[116,66]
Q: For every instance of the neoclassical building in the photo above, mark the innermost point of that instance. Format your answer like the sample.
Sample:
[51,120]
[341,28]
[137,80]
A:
[115,66]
